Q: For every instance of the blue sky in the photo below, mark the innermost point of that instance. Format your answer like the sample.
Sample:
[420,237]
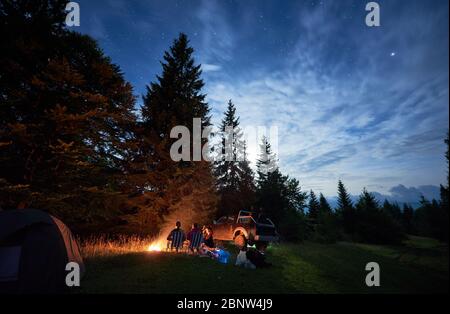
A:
[365,105]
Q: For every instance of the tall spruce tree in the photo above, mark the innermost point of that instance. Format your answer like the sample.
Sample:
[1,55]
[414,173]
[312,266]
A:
[367,202]
[66,116]
[267,161]
[183,189]
[373,225]
[229,168]
[279,196]
[324,205]
[176,97]
[326,230]
[345,209]
[270,182]
[313,206]
[247,185]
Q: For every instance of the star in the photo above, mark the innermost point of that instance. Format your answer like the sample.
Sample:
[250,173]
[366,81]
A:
[393,54]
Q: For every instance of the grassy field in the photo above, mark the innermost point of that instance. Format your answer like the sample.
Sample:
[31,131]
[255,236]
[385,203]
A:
[420,266]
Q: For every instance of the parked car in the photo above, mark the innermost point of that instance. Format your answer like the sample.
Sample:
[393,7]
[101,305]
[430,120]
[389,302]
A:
[247,226]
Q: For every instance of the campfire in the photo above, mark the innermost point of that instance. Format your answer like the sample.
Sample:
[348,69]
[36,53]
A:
[158,245]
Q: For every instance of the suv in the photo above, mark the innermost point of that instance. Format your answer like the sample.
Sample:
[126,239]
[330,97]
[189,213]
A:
[246,227]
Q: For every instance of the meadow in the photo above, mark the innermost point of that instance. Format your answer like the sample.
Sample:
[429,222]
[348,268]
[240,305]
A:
[420,265]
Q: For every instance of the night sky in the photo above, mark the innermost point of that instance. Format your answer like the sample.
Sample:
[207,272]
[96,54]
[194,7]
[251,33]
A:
[365,105]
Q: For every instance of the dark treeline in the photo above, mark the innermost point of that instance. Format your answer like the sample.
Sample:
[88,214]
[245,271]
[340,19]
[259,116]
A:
[72,143]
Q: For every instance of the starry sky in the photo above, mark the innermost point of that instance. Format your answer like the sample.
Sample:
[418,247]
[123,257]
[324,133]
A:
[365,105]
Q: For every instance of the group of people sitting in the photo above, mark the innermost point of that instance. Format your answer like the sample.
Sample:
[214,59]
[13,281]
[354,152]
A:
[201,241]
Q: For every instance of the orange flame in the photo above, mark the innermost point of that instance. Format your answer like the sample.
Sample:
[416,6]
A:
[157,246]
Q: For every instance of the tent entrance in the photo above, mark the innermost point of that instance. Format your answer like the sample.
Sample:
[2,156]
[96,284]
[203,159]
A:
[9,263]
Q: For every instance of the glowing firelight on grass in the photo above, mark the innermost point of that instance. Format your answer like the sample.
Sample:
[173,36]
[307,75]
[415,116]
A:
[157,246]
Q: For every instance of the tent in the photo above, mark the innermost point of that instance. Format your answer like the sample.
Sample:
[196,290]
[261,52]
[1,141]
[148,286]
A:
[35,248]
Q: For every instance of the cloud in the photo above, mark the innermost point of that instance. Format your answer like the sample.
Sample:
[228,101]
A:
[345,109]
[216,35]
[207,67]
[344,106]
[404,194]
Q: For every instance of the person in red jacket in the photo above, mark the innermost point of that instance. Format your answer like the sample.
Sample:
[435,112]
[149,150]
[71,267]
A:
[195,229]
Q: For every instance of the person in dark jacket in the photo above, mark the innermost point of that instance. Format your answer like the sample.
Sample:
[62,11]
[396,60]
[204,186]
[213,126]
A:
[195,229]
[195,237]
[176,237]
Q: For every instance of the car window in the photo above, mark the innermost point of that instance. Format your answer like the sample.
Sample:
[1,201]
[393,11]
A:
[245,220]
[221,220]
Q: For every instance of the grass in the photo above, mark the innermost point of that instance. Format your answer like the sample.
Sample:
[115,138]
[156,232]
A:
[420,266]
[101,246]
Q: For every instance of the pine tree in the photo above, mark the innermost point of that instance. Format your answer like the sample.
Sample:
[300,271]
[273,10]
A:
[431,220]
[346,209]
[247,187]
[367,202]
[327,228]
[324,205]
[280,197]
[313,206]
[176,97]
[344,200]
[232,165]
[66,117]
[185,188]
[267,161]
[373,225]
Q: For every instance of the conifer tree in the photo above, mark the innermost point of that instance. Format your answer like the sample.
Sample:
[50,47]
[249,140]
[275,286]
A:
[183,189]
[267,161]
[229,166]
[66,116]
[367,202]
[280,197]
[373,225]
[345,209]
[313,206]
[324,205]
[176,97]
[327,229]
[247,185]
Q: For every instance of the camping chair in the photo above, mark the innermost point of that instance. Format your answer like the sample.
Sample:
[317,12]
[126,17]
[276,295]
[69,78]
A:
[177,241]
[196,241]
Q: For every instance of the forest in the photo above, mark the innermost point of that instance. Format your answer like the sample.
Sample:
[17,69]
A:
[75,143]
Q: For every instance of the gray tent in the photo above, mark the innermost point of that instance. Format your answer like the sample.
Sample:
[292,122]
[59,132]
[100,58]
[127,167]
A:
[35,248]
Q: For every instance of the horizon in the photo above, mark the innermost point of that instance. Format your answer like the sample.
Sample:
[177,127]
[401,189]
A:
[365,105]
